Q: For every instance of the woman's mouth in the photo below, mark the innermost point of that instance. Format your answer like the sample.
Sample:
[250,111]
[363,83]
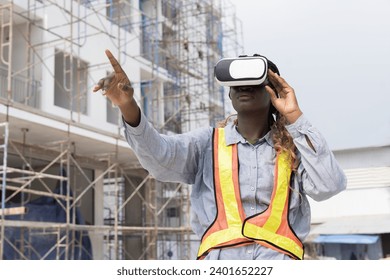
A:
[244,96]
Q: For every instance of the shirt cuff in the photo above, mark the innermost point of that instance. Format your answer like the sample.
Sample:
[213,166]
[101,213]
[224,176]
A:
[136,130]
[299,127]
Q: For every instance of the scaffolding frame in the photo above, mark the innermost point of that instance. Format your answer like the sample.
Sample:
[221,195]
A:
[182,40]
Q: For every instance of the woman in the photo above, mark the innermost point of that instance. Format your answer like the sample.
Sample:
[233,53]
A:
[250,178]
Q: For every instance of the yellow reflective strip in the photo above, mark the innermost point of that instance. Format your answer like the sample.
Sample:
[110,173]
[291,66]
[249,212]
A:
[284,171]
[278,240]
[225,173]
[226,180]
[219,237]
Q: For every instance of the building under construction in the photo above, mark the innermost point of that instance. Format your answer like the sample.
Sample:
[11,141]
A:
[71,187]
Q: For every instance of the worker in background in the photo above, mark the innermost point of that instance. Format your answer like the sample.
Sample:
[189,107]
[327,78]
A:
[250,177]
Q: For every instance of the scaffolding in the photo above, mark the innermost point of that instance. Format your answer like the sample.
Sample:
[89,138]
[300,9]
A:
[61,198]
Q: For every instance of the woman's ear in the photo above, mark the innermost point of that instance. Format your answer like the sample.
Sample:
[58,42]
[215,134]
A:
[230,89]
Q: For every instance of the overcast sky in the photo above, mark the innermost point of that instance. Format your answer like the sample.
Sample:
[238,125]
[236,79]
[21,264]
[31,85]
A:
[336,55]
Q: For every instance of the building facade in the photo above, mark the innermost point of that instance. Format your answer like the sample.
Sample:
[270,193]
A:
[71,186]
[355,224]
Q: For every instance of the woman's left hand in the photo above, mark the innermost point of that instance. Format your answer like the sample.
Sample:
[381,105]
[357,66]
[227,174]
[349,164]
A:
[286,103]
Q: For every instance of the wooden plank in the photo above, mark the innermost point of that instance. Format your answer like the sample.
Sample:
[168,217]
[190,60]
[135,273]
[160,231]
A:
[13,211]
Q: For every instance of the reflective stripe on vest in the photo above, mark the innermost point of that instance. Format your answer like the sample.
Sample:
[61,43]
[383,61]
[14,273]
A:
[226,229]
[269,228]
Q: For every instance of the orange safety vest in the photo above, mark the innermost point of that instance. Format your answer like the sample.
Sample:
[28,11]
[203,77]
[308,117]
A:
[230,227]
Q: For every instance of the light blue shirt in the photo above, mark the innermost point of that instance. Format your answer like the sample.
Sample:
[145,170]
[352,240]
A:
[187,158]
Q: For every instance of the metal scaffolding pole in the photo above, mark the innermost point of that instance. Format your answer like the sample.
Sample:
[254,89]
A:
[179,40]
[4,147]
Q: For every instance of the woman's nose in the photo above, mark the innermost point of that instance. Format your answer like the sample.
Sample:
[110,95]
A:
[245,88]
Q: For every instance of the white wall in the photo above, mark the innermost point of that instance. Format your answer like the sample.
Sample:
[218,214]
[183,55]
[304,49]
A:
[91,50]
[353,202]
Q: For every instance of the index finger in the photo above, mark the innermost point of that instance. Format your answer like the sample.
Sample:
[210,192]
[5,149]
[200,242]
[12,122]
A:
[115,64]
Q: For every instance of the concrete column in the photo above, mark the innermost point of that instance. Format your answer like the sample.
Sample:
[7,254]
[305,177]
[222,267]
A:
[97,237]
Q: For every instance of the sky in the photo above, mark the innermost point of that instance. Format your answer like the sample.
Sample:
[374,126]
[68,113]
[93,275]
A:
[336,56]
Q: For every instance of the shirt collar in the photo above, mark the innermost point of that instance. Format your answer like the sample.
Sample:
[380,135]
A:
[232,136]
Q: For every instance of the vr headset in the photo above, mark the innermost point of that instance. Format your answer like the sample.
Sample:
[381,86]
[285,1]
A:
[242,71]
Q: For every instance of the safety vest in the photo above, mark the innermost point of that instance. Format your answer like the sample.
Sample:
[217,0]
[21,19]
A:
[231,228]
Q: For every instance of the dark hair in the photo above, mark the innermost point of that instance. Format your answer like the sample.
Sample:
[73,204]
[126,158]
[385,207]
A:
[271,65]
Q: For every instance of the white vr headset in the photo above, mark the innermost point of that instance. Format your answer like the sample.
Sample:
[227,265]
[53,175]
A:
[242,71]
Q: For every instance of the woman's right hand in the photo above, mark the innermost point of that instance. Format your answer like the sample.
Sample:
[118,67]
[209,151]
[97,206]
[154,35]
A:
[116,86]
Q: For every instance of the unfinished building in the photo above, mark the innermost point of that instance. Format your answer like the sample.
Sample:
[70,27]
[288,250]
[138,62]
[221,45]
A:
[71,188]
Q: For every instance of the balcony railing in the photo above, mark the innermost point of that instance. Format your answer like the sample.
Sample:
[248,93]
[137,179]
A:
[23,90]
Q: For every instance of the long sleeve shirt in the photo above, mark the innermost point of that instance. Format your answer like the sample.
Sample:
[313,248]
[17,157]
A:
[187,158]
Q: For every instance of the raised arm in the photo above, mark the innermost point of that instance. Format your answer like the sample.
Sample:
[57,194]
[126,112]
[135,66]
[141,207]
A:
[320,174]
[167,158]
